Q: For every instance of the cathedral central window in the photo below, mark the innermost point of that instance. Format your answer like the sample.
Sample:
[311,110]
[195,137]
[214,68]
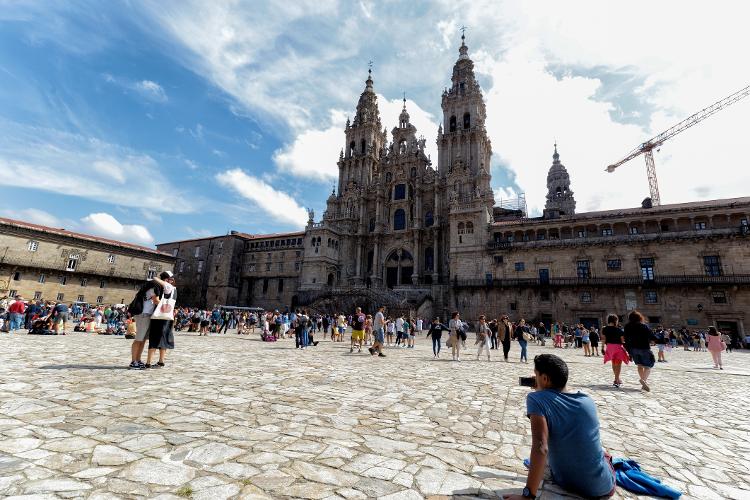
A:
[399,192]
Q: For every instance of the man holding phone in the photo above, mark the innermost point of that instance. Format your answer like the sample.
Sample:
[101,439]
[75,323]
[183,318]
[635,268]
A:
[565,431]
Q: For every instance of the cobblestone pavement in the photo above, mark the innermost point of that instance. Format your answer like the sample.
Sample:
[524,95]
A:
[233,417]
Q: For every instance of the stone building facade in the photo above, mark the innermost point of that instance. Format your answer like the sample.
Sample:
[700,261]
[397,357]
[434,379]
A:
[45,263]
[428,239]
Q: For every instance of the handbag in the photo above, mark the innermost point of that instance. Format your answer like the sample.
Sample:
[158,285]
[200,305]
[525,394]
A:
[165,307]
[449,342]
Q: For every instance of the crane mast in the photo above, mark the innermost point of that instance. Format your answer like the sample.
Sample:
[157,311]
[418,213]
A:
[646,148]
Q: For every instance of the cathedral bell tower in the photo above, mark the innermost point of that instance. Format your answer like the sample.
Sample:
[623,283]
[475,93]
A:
[560,199]
[364,142]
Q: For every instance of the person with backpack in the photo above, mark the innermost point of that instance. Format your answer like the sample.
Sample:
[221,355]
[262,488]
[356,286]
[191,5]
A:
[140,310]
[358,330]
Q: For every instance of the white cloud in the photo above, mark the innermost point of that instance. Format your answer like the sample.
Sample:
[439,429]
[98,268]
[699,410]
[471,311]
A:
[86,167]
[33,215]
[106,225]
[276,204]
[151,90]
[148,89]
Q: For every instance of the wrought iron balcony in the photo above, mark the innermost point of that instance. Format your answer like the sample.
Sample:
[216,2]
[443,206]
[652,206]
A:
[606,281]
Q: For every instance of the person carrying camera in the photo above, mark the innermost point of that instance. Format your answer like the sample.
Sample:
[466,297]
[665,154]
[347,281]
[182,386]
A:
[565,432]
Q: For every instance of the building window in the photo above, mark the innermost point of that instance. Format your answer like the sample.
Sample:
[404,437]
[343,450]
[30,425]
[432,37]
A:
[664,228]
[647,269]
[197,252]
[63,280]
[32,245]
[281,266]
[251,268]
[614,264]
[498,259]
[399,220]
[200,265]
[467,121]
[42,278]
[296,266]
[583,269]
[399,192]
[712,265]
[461,228]
[633,230]
[102,283]
[60,296]
[72,263]
[268,266]
[541,237]
[281,285]
[607,231]
[469,228]
[513,306]
[111,257]
[452,124]
[700,226]
[544,295]
[299,241]
[429,219]
[265,286]
[371,226]
[99,299]
[37,295]
[80,298]
[151,274]
[586,297]
[520,266]
[12,293]
[719,297]
[17,276]
[181,268]
[581,234]
[84,281]
[650,297]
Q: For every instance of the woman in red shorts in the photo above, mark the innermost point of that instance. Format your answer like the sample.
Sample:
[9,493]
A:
[613,340]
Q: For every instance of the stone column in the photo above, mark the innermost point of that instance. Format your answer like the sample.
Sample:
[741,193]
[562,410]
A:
[398,275]
[375,262]
[358,261]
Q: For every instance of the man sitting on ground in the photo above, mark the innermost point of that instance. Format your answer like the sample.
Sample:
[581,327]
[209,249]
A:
[565,429]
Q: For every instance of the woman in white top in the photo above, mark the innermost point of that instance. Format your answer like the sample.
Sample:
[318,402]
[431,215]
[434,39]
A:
[483,337]
[455,326]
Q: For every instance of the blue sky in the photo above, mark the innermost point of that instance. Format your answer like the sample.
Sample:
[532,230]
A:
[156,121]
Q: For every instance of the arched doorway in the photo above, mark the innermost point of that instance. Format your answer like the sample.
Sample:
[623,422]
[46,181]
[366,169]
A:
[399,266]
[330,279]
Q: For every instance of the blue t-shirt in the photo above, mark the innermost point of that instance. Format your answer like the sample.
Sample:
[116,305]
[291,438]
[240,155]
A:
[576,457]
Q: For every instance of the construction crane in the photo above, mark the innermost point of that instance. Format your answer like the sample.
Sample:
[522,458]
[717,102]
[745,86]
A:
[646,149]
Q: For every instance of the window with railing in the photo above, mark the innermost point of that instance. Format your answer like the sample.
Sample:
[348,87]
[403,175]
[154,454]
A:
[583,269]
[633,230]
[712,265]
[586,297]
[614,264]
[650,297]
[72,263]
[99,299]
[520,266]
[607,231]
[32,245]
[647,268]
[700,226]
[719,297]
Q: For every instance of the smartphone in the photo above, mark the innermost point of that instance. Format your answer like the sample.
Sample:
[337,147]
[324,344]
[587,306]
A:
[527,381]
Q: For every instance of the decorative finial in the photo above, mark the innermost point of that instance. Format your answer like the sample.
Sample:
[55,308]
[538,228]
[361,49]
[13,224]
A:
[555,155]
[463,34]
[404,100]
[369,67]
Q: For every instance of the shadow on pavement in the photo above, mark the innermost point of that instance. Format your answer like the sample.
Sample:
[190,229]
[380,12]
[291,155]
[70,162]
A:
[610,387]
[83,367]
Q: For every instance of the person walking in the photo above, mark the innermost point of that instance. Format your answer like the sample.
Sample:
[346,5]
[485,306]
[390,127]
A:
[661,340]
[160,334]
[715,346]
[483,337]
[378,326]
[522,335]
[586,341]
[493,334]
[505,334]
[455,325]
[358,330]
[613,347]
[436,332]
[594,339]
[638,338]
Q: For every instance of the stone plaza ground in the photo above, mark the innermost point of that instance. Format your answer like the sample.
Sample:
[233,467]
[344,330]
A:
[233,417]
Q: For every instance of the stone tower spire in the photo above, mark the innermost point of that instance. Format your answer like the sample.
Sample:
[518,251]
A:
[463,144]
[364,141]
[560,199]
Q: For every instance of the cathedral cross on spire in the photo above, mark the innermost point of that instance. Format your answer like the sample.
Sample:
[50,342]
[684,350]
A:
[463,33]
[369,67]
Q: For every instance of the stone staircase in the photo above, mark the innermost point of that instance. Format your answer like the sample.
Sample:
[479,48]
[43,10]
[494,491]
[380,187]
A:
[347,299]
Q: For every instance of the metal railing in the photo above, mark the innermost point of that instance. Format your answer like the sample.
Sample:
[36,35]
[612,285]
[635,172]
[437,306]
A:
[663,280]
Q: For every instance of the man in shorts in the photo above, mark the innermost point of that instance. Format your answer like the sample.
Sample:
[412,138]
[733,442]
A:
[60,314]
[378,326]
[341,327]
[147,294]
[358,330]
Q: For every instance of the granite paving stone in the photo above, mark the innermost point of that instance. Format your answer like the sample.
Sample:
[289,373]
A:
[233,417]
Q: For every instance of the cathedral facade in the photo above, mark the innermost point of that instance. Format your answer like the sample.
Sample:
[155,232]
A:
[426,238]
